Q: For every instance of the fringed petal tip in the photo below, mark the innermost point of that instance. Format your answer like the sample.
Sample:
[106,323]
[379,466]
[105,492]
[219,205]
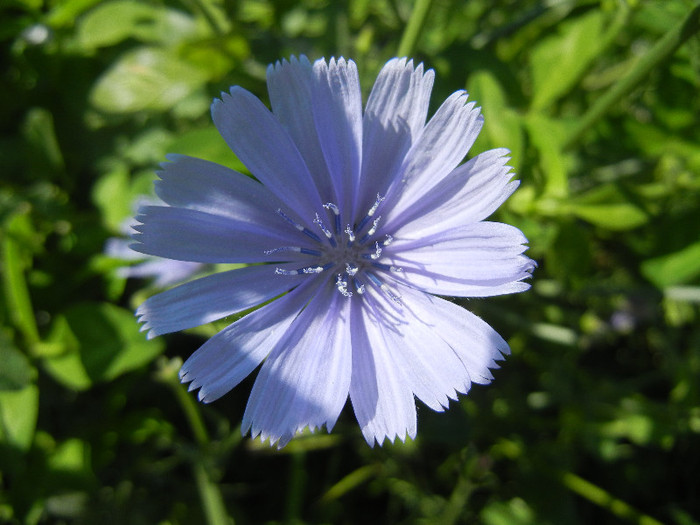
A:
[280,440]
[371,438]
[293,61]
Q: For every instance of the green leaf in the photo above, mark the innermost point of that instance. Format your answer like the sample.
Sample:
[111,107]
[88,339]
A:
[618,217]
[18,228]
[39,133]
[113,22]
[502,125]
[609,207]
[18,414]
[100,342]
[16,372]
[681,267]
[546,135]
[146,79]
[559,61]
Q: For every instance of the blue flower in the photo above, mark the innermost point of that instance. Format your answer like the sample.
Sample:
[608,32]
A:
[356,221]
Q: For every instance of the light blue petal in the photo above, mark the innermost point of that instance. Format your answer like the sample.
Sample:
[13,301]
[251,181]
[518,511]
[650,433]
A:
[289,84]
[477,260]
[380,393]
[430,367]
[191,235]
[337,104]
[469,194]
[211,298]
[232,354]
[305,380]
[264,146]
[476,344]
[394,116]
[441,146]
[188,182]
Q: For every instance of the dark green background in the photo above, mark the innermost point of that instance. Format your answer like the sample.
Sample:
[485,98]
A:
[595,418]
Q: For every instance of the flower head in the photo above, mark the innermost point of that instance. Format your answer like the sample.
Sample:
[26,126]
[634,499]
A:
[356,218]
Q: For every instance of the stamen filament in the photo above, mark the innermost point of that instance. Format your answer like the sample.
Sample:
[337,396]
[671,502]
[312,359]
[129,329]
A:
[318,221]
[298,226]
[336,212]
[295,249]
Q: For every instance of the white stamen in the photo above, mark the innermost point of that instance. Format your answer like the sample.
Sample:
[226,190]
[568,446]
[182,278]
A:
[359,287]
[342,286]
[295,249]
[351,269]
[350,233]
[376,204]
[375,224]
[320,224]
[332,207]
[336,212]
[389,239]
[377,251]
[312,269]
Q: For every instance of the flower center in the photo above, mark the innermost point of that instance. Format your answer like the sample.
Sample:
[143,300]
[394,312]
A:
[354,253]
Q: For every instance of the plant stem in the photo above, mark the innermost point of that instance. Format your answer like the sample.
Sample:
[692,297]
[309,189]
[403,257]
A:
[209,493]
[18,301]
[661,51]
[604,499]
[415,24]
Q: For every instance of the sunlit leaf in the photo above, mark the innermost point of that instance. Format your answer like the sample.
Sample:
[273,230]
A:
[502,125]
[16,372]
[102,341]
[680,267]
[112,22]
[146,79]
[558,61]
[18,414]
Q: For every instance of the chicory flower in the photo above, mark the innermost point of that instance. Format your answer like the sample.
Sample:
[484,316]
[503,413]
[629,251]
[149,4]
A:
[356,221]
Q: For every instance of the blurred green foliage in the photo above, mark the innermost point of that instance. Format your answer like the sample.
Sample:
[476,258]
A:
[595,418]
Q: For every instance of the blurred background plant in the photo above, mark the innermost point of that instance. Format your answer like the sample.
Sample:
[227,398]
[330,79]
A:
[595,418]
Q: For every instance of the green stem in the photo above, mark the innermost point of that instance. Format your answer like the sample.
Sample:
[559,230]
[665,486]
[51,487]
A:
[209,493]
[415,24]
[191,410]
[604,499]
[16,291]
[660,52]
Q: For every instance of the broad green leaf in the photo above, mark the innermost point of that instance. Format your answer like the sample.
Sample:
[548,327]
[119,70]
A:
[18,414]
[15,372]
[112,22]
[609,207]
[546,135]
[101,341]
[146,79]
[621,216]
[40,135]
[558,61]
[112,196]
[680,267]
[502,125]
